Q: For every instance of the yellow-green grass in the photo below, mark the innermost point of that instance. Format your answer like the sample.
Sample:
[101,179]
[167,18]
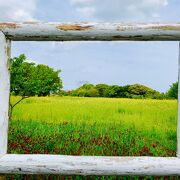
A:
[94,126]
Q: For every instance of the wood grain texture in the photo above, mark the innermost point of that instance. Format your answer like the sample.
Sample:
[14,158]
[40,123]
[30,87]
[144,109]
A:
[178,123]
[4,91]
[38,31]
[89,165]
[79,165]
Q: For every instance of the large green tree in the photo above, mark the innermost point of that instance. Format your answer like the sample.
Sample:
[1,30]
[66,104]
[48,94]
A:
[29,79]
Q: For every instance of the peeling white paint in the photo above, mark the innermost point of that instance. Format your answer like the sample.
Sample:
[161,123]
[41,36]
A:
[4,91]
[79,165]
[89,165]
[37,31]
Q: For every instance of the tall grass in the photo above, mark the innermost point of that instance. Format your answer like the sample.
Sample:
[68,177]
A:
[153,119]
[94,126]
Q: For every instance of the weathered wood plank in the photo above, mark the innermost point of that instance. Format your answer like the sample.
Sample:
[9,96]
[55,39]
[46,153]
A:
[178,124]
[89,165]
[79,165]
[37,31]
[4,91]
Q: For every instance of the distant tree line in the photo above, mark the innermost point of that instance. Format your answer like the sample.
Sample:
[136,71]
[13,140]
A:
[135,91]
[172,93]
[31,79]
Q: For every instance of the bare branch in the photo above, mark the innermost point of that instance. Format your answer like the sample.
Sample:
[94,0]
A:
[23,97]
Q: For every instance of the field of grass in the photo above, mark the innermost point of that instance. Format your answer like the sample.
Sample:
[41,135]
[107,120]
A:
[93,126]
[89,126]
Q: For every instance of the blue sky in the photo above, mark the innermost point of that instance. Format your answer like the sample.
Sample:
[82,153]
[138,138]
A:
[150,63]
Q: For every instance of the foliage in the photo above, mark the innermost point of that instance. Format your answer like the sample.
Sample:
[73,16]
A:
[116,91]
[29,79]
[102,89]
[141,91]
[136,91]
[112,91]
[173,91]
[86,90]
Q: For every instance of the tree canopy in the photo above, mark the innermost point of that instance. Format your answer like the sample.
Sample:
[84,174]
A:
[115,91]
[29,79]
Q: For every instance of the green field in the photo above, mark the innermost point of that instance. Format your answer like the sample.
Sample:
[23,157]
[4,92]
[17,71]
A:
[93,126]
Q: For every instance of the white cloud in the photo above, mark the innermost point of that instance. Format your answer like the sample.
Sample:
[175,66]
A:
[17,10]
[119,9]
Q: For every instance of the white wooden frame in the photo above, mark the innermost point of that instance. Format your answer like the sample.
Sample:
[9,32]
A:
[80,165]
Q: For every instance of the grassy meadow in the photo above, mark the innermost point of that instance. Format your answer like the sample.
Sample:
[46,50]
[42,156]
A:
[93,126]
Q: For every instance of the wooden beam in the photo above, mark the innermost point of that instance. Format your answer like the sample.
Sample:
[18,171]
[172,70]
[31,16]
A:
[178,123]
[79,165]
[4,91]
[38,31]
[89,165]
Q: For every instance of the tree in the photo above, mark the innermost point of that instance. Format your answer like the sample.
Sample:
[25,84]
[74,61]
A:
[86,86]
[124,91]
[93,92]
[137,89]
[102,88]
[141,91]
[86,90]
[112,91]
[173,91]
[29,79]
[45,80]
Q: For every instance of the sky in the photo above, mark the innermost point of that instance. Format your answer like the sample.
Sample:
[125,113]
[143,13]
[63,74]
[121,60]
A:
[153,64]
